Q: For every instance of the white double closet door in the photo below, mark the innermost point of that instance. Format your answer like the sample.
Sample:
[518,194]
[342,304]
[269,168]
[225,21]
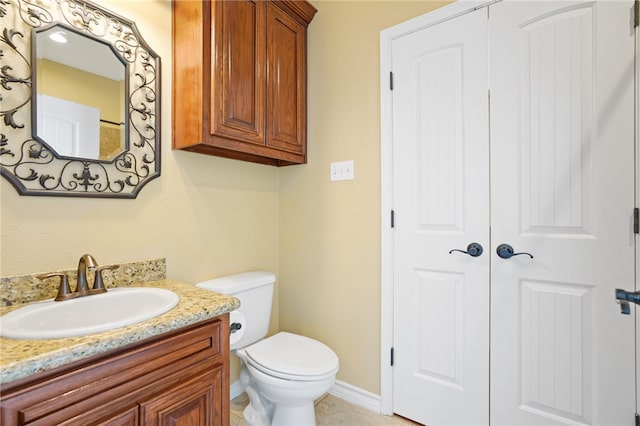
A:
[514,124]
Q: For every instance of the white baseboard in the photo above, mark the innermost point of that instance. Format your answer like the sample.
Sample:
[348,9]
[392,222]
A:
[341,390]
[356,396]
[236,389]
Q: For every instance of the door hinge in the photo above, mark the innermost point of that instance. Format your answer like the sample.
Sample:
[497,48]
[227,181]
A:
[392,366]
[390,80]
[636,223]
[393,219]
[636,14]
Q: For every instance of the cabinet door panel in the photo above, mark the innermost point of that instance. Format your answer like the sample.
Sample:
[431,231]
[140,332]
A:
[127,418]
[286,81]
[237,92]
[197,402]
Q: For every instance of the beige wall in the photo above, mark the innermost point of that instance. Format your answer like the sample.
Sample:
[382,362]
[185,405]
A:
[210,216]
[330,231]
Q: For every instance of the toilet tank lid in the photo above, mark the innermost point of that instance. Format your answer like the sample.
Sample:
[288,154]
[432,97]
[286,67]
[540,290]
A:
[231,284]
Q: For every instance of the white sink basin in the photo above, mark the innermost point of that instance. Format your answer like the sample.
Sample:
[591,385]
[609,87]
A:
[85,315]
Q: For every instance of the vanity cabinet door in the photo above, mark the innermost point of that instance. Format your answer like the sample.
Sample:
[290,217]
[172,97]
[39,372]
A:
[127,418]
[198,402]
[239,76]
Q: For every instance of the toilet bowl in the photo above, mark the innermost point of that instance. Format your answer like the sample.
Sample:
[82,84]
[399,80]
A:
[282,374]
[290,371]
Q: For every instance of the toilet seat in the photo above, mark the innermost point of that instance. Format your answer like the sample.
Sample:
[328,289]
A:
[292,357]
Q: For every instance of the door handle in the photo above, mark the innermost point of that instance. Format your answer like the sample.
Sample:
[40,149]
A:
[505,251]
[473,250]
[623,297]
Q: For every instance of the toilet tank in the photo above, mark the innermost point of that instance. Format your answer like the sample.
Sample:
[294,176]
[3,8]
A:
[255,291]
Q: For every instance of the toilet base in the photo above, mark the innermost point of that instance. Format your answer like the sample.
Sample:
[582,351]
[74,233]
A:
[299,415]
[283,415]
[253,417]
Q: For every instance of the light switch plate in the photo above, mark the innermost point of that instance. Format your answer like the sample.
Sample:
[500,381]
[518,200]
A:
[342,170]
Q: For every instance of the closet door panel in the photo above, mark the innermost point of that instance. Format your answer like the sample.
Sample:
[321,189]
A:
[441,298]
[556,104]
[562,178]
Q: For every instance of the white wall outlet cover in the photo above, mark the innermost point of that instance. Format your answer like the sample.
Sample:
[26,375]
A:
[342,170]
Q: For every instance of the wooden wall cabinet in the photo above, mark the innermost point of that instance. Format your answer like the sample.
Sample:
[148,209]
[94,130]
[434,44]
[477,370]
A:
[180,378]
[239,79]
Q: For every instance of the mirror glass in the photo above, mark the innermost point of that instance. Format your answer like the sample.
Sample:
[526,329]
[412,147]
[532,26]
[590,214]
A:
[79,96]
[109,145]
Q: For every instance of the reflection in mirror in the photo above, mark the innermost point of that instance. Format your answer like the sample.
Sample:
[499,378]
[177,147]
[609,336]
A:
[39,152]
[80,86]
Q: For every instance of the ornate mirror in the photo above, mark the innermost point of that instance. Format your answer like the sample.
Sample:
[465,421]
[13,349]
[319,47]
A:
[79,100]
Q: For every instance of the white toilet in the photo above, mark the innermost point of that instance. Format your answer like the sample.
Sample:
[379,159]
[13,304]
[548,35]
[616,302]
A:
[282,374]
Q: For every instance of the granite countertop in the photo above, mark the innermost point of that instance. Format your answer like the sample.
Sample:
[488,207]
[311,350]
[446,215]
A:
[22,358]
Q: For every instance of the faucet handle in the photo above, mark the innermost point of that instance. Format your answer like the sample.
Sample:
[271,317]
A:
[98,283]
[63,289]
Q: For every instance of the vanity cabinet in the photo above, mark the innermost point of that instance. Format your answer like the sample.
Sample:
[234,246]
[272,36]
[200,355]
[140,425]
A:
[239,79]
[179,378]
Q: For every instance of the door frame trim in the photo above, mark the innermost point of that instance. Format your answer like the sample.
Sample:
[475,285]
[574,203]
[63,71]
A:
[387,36]
[637,204]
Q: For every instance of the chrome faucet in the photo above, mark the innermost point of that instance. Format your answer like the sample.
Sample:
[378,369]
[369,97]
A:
[85,262]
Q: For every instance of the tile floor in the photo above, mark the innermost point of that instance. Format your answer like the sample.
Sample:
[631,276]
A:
[330,411]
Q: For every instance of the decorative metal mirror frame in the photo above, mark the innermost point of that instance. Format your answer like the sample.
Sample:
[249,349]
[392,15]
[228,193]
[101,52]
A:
[30,165]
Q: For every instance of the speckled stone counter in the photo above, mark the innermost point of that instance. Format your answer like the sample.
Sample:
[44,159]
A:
[18,289]
[22,358]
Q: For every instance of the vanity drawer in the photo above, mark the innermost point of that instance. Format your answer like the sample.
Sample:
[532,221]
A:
[101,386]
